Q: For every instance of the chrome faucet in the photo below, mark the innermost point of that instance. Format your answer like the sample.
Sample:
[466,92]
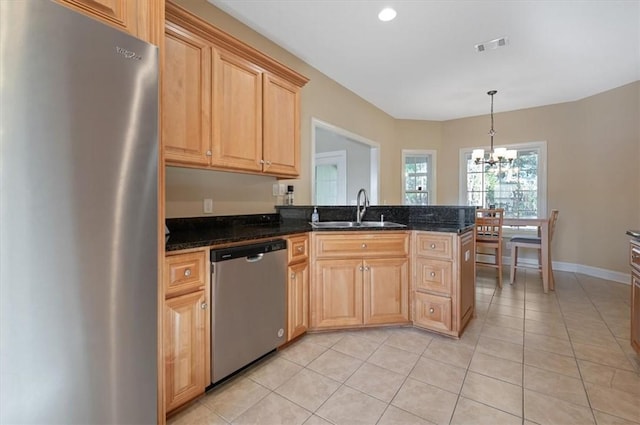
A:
[365,204]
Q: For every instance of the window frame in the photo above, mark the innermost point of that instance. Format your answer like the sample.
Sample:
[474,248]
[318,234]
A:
[540,146]
[431,175]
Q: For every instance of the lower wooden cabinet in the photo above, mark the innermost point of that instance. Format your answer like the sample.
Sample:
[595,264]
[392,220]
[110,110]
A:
[184,349]
[443,290]
[298,300]
[356,292]
[635,311]
[187,327]
[634,262]
[297,285]
[359,279]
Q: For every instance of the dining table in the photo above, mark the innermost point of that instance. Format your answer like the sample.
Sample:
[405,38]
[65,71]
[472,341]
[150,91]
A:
[545,255]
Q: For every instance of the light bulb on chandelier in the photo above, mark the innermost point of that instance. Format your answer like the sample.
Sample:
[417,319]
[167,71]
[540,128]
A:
[497,155]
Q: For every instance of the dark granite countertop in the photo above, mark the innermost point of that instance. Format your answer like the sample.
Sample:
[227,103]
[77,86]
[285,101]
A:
[216,235]
[188,233]
[634,233]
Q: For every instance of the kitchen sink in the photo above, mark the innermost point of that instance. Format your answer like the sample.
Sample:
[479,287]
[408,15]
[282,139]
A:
[355,224]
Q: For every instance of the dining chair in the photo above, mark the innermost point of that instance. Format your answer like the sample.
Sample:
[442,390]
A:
[532,242]
[489,237]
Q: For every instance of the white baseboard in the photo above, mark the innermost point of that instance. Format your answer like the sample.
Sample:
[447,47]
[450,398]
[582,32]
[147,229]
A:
[570,267]
[593,271]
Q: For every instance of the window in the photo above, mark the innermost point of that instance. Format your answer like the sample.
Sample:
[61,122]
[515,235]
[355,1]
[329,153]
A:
[519,187]
[418,178]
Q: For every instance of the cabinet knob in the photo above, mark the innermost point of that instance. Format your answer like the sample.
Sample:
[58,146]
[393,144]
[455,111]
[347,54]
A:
[367,268]
[431,310]
[262,161]
[268,163]
[364,245]
[293,276]
[433,246]
[204,306]
[433,274]
[187,272]
[299,249]
[209,153]
[361,268]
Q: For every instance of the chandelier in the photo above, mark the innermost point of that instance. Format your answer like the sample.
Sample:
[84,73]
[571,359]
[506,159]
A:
[497,155]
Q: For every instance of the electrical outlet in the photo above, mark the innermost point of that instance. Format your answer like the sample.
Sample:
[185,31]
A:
[207,206]
[275,190]
[282,189]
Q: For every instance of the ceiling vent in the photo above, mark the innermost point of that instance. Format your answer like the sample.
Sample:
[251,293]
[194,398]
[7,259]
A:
[492,44]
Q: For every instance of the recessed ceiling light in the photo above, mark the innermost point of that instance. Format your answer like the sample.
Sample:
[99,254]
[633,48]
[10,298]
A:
[387,14]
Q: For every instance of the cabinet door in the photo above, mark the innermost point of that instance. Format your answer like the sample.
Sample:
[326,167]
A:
[432,312]
[386,291]
[237,113]
[635,310]
[184,349]
[186,97]
[337,293]
[281,132]
[297,300]
[466,279]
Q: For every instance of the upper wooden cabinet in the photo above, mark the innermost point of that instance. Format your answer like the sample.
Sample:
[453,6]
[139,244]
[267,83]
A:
[227,106]
[237,113]
[140,18]
[186,100]
[280,128]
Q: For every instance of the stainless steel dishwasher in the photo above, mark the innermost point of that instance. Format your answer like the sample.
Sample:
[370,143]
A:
[248,299]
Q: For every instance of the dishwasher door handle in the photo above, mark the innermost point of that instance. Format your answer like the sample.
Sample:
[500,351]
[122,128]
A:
[254,258]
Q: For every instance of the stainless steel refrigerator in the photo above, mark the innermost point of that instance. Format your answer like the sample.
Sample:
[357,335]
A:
[78,219]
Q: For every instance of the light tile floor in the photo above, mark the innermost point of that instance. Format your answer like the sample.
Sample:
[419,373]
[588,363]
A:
[528,357]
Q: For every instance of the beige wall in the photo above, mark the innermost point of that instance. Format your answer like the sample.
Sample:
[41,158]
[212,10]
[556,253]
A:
[593,148]
[592,169]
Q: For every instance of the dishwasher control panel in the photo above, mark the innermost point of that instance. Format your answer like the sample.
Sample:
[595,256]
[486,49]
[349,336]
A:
[247,250]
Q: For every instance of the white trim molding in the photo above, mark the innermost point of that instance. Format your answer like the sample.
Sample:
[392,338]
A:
[569,267]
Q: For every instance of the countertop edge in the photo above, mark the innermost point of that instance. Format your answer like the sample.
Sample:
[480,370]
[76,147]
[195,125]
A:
[257,232]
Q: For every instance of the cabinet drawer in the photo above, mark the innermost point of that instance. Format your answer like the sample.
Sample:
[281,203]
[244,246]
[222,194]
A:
[184,273]
[434,245]
[432,312]
[361,244]
[298,249]
[434,275]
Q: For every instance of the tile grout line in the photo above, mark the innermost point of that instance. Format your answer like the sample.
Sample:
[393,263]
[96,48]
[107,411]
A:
[466,372]
[586,393]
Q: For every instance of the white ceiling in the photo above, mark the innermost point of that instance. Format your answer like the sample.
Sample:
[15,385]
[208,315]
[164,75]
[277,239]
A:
[423,64]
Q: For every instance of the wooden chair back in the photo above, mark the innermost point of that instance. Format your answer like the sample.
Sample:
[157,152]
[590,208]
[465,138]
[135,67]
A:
[489,225]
